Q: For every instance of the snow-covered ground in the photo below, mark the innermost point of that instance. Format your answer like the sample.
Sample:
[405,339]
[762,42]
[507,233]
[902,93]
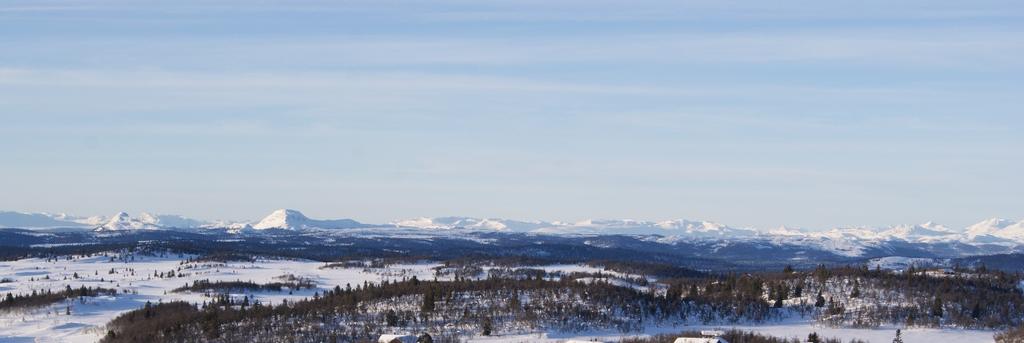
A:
[580,268]
[788,330]
[87,318]
[136,283]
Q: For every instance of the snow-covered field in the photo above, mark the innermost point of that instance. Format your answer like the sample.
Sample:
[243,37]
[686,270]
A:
[788,330]
[138,281]
[51,324]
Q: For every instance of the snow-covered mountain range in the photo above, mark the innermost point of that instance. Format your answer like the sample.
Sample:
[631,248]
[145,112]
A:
[988,231]
[999,235]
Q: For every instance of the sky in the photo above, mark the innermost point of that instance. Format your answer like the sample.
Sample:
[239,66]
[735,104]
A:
[801,113]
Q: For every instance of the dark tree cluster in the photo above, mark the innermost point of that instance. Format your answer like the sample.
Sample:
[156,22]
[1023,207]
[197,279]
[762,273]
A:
[207,286]
[660,270]
[37,299]
[863,297]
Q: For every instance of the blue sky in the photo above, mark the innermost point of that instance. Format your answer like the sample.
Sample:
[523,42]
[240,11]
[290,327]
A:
[748,113]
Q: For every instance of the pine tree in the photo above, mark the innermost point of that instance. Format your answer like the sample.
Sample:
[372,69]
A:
[674,291]
[486,326]
[391,318]
[820,301]
[778,298]
[428,301]
[899,338]
[694,292]
[937,307]
[514,304]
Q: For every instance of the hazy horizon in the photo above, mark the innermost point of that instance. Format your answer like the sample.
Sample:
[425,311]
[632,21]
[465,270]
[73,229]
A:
[803,114]
[559,221]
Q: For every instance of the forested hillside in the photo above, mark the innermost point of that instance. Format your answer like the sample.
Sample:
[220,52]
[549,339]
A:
[510,300]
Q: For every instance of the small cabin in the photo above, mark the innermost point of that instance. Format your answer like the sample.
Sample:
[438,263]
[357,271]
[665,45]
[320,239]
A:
[397,339]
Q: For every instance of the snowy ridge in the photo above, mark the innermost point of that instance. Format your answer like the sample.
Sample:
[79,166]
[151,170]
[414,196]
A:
[996,229]
[929,232]
[585,227]
[448,223]
[48,220]
[37,220]
[171,221]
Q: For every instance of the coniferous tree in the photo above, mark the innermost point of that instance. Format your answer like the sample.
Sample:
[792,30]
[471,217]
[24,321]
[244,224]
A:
[778,299]
[391,318]
[428,301]
[486,325]
[674,291]
[937,307]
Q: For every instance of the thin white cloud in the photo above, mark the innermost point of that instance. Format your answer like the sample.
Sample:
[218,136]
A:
[965,48]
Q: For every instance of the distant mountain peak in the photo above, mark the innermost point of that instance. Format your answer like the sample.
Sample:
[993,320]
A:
[172,221]
[289,219]
[281,219]
[997,228]
[149,218]
[925,232]
[287,212]
[787,231]
[124,222]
